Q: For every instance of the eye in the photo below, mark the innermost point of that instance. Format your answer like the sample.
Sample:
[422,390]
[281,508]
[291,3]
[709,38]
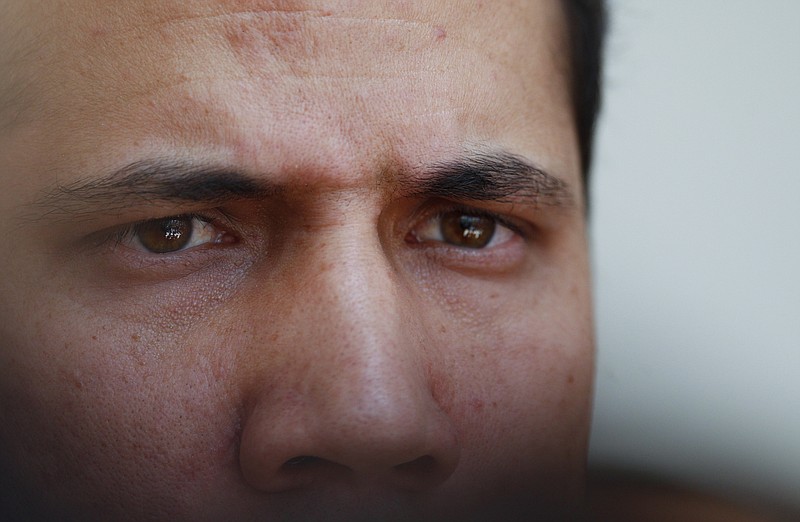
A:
[173,234]
[464,229]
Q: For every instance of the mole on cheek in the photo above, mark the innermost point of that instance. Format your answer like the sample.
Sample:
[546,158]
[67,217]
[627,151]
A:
[98,32]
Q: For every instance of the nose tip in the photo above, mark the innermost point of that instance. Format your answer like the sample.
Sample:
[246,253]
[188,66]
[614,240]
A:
[417,456]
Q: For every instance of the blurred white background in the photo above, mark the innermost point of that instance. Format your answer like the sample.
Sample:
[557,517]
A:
[696,240]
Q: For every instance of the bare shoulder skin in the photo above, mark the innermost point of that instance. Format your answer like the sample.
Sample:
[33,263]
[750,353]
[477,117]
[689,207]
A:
[287,260]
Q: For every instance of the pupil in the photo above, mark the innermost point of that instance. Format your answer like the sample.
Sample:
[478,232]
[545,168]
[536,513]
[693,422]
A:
[471,230]
[172,232]
[467,230]
[162,236]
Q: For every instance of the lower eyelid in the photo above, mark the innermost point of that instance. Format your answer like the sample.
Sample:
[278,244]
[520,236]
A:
[493,260]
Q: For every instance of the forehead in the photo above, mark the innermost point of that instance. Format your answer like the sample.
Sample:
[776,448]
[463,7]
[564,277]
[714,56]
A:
[239,77]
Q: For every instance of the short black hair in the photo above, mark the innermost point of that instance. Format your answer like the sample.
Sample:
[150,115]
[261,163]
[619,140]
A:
[587,22]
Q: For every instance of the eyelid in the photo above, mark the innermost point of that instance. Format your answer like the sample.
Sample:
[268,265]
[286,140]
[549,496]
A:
[500,218]
[123,234]
[432,219]
[442,209]
[116,259]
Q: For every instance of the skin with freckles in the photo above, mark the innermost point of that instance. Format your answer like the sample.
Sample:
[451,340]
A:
[287,260]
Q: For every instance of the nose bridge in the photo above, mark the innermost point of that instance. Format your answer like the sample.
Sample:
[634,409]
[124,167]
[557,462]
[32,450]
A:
[360,404]
[361,331]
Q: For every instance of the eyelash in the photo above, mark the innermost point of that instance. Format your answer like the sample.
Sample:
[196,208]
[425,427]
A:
[500,219]
[129,232]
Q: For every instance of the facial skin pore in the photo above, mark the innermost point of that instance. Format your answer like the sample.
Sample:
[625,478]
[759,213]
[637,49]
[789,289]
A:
[322,346]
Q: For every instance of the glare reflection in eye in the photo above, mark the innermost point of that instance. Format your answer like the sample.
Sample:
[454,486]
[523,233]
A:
[172,234]
[465,230]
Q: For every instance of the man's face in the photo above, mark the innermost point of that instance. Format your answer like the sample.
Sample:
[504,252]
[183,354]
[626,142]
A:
[290,258]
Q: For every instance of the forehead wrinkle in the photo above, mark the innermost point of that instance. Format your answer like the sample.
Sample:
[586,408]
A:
[189,66]
[22,44]
[265,44]
[287,30]
[15,97]
[287,17]
[210,19]
[323,47]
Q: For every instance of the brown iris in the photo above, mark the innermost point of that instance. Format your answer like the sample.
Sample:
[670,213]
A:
[468,231]
[162,236]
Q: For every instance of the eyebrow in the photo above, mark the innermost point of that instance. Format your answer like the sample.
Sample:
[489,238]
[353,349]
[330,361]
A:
[484,176]
[153,181]
[495,176]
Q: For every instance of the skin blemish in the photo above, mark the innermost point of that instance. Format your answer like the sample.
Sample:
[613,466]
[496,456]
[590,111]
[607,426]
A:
[570,379]
[239,37]
[73,378]
[135,338]
[476,404]
[439,33]
[98,32]
[273,33]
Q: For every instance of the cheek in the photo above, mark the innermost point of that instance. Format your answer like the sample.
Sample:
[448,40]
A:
[518,363]
[92,405]
[89,411]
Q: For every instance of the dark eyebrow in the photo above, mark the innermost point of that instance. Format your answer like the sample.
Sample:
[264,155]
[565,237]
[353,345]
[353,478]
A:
[494,176]
[484,176]
[153,182]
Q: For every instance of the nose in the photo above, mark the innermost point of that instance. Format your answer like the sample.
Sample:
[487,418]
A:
[353,402]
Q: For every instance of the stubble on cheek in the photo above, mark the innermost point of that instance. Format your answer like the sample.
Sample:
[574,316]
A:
[515,376]
[104,411]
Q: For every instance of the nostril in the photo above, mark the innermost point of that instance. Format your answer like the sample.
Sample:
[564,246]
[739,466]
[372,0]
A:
[420,474]
[424,465]
[417,474]
[307,469]
[302,461]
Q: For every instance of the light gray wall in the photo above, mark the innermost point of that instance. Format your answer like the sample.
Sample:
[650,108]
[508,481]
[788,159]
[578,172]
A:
[696,245]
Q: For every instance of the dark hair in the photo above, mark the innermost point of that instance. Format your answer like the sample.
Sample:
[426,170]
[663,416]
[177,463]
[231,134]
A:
[587,22]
